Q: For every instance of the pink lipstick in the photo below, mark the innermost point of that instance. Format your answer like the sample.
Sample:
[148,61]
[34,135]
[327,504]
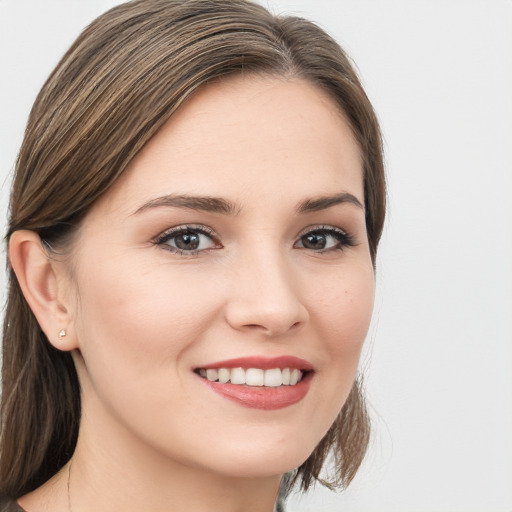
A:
[259,382]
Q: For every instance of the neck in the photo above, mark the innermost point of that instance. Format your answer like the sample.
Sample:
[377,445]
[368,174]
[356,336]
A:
[140,482]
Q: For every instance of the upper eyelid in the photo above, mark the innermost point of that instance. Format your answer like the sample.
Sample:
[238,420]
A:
[184,227]
[170,233]
[348,237]
[322,227]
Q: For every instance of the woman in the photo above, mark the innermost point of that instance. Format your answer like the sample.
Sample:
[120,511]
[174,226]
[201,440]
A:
[193,229]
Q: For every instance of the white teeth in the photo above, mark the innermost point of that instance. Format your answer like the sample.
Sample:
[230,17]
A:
[224,375]
[295,376]
[212,374]
[237,376]
[273,378]
[254,377]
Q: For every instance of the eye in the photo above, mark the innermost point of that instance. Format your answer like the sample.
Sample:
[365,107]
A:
[188,239]
[323,239]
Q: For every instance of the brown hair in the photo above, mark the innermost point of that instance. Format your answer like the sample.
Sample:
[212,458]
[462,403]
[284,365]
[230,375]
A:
[115,87]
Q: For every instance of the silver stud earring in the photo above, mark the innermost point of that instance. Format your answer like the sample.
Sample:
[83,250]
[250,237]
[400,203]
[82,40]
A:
[62,333]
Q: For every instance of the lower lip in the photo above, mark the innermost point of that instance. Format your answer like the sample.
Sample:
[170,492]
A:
[266,398]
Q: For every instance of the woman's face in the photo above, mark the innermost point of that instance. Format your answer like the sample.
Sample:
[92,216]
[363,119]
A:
[236,239]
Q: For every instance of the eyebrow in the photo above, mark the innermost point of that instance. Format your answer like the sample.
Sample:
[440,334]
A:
[201,203]
[223,206]
[324,202]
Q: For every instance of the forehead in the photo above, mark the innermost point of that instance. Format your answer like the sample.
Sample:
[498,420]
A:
[249,135]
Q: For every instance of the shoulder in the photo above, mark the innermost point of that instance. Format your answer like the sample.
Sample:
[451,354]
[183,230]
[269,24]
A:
[7,505]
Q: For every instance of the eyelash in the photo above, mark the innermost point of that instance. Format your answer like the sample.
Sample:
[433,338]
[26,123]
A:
[182,230]
[343,238]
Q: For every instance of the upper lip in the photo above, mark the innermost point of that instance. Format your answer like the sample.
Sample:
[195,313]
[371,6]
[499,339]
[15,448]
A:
[263,362]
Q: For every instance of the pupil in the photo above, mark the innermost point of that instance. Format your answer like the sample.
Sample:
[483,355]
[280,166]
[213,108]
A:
[314,241]
[187,241]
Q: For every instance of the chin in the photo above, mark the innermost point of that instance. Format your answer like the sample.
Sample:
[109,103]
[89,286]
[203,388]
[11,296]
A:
[260,460]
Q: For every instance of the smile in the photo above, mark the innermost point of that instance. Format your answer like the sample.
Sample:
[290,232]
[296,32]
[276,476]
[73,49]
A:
[272,378]
[259,382]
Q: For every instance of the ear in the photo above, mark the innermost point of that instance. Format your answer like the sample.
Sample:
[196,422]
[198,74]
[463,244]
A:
[42,282]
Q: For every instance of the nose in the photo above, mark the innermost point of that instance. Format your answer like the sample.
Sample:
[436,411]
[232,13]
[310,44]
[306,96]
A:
[264,297]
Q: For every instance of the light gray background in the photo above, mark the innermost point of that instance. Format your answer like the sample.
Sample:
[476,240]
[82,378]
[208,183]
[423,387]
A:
[438,359]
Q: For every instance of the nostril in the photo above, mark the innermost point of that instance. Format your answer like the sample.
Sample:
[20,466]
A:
[254,327]
[272,329]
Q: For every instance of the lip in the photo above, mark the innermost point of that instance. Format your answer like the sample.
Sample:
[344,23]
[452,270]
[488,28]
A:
[264,398]
[262,362]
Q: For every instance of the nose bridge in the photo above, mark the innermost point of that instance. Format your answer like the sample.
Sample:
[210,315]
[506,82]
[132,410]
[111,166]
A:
[265,293]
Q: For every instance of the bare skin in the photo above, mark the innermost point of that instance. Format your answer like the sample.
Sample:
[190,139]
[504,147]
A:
[267,276]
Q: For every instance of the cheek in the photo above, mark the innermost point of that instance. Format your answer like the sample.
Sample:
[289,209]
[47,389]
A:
[136,330]
[344,308]
[143,320]
[343,311]
[140,291]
